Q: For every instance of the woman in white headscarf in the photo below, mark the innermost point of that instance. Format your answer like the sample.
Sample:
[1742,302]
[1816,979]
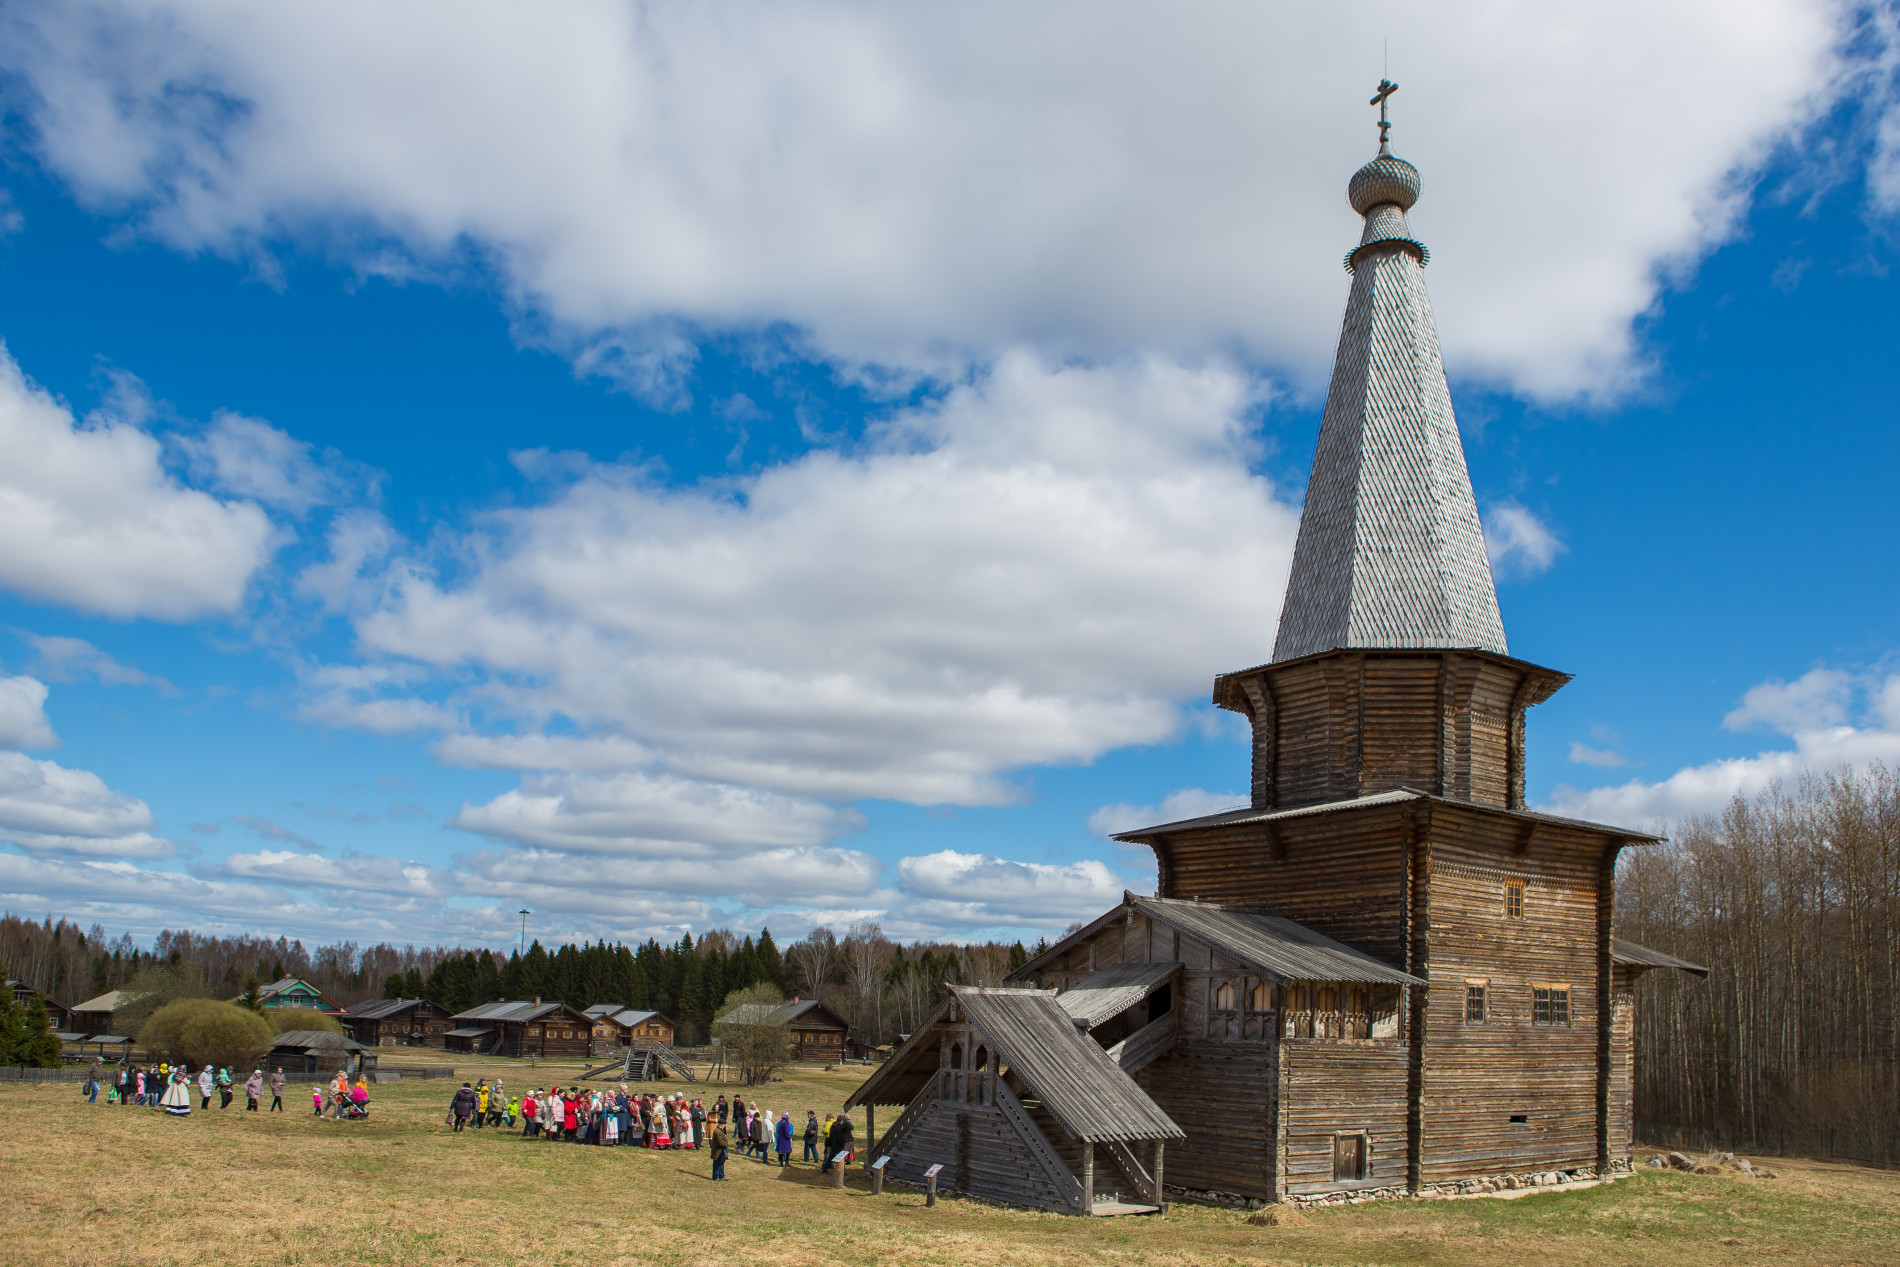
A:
[177,1100]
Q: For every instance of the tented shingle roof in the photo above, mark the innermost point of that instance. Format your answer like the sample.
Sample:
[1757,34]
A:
[1390,551]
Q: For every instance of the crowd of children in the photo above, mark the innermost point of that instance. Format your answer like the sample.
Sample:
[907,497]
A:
[162,1085]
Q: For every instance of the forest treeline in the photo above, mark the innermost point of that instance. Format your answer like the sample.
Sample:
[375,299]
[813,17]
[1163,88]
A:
[1792,900]
[882,988]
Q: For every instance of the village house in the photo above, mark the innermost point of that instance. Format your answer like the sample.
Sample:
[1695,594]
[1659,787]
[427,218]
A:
[615,1027]
[94,1015]
[1386,973]
[521,1028]
[397,1023]
[817,1032]
[295,992]
[58,1015]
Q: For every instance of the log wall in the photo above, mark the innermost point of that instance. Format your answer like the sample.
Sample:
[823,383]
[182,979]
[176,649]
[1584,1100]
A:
[981,1153]
[1338,874]
[1478,1076]
[1330,1088]
[1225,1096]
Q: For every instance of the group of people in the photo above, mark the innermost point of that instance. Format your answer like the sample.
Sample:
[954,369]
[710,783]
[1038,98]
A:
[582,1115]
[170,1087]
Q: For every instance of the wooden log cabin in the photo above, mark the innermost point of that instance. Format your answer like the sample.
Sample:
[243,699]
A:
[615,1027]
[1386,973]
[397,1023]
[521,1028]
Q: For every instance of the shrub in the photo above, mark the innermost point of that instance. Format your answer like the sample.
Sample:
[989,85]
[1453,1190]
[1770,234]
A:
[206,1032]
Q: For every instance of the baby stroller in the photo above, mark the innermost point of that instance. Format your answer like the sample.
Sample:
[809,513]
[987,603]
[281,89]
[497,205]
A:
[350,1110]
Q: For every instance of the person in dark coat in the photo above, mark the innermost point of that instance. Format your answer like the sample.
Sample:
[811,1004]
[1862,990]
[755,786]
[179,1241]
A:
[719,1152]
[811,1135]
[463,1105]
[839,1141]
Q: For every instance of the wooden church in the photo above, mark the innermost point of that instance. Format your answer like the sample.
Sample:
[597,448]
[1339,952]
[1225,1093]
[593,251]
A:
[1386,975]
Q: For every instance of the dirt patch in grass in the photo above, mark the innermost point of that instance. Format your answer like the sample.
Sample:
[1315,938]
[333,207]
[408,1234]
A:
[88,1184]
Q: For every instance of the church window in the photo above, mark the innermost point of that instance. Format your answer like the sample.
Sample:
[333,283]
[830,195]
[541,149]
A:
[1296,998]
[1328,998]
[1550,1005]
[1263,997]
[1477,990]
[1224,998]
[1514,899]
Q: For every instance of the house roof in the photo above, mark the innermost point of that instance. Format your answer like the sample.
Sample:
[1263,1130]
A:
[513,1011]
[314,1040]
[294,986]
[798,1014]
[468,1032]
[110,1001]
[1104,995]
[377,1009]
[1271,944]
[1390,552]
[1631,955]
[1397,796]
[1068,1071]
[620,1015]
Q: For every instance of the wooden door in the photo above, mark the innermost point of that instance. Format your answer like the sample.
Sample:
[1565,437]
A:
[1349,1157]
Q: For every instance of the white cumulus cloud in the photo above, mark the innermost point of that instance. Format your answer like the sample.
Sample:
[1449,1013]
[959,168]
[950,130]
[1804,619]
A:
[1833,719]
[976,890]
[89,516]
[1187,802]
[49,808]
[1518,542]
[23,721]
[904,181]
[1031,570]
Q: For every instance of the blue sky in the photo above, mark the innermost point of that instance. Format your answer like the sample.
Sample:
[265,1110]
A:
[676,474]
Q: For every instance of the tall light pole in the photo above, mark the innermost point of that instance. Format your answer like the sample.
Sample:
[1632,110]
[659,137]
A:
[525,912]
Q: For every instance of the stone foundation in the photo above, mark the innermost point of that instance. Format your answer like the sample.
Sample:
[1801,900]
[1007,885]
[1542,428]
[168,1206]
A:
[1479,1186]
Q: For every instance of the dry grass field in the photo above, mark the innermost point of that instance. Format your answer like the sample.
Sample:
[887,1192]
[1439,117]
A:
[97,1184]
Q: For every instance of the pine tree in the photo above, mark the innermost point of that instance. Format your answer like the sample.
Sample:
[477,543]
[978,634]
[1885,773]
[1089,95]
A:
[771,963]
[393,986]
[39,1048]
[12,1035]
[1017,956]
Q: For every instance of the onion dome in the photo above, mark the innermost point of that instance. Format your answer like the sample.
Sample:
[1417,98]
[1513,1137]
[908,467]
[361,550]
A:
[1386,179]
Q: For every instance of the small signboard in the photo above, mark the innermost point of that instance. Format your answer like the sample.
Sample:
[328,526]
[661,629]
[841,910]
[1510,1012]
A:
[881,1162]
[932,1172]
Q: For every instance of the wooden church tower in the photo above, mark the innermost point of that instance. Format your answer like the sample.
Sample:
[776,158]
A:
[1386,974]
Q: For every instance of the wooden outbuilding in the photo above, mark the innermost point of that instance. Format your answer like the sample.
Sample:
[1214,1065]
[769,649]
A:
[521,1028]
[1017,1104]
[1386,973]
[615,1027]
[318,1051]
[817,1032]
[397,1023]
[94,1016]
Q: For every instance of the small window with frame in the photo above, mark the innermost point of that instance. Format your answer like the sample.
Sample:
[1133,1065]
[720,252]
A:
[1224,997]
[1514,898]
[1550,1004]
[1262,998]
[1477,1000]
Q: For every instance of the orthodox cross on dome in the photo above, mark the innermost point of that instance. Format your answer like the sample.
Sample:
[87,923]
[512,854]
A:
[1386,89]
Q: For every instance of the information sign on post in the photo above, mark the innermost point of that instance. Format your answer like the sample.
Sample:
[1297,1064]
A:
[930,1185]
[877,1175]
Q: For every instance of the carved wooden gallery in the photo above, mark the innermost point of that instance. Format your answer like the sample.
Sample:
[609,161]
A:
[1386,974]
